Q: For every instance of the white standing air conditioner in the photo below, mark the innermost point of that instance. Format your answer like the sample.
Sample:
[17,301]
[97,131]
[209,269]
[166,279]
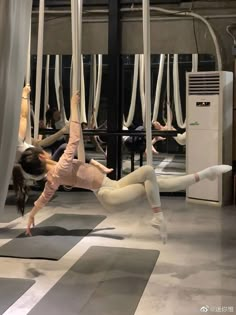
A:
[209,109]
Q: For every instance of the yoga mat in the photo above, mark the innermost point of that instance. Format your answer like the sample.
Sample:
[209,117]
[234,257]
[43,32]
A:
[104,281]
[52,238]
[11,290]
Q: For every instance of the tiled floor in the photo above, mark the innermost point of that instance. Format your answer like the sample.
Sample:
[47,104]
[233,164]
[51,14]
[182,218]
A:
[195,269]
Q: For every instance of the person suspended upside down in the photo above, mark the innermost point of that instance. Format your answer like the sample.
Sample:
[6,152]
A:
[113,195]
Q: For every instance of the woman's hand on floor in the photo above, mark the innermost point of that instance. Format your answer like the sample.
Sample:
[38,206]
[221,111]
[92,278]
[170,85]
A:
[29,225]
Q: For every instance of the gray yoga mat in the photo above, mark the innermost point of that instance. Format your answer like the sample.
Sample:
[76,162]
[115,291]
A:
[104,281]
[51,239]
[11,290]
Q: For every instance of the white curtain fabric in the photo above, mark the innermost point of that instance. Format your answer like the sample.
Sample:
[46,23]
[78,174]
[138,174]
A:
[15,19]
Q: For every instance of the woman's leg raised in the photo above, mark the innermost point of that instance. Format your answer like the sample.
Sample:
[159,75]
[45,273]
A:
[120,198]
[144,175]
[182,182]
[129,189]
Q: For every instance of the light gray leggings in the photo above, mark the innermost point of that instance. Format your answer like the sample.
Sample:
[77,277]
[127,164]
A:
[138,184]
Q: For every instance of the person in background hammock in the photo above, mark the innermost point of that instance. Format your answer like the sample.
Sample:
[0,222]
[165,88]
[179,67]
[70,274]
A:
[180,138]
[53,121]
[138,143]
[22,145]
[113,195]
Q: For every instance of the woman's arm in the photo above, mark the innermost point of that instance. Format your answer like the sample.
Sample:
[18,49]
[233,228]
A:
[100,166]
[31,222]
[52,138]
[43,199]
[24,112]
[74,137]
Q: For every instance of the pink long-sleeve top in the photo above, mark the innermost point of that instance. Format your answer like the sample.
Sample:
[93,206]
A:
[70,171]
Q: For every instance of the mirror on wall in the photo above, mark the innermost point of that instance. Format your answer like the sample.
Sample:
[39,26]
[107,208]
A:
[166,83]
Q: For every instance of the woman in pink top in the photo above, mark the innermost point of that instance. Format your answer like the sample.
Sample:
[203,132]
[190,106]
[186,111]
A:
[18,176]
[112,194]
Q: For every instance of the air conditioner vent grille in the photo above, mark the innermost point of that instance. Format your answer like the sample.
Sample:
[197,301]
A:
[204,84]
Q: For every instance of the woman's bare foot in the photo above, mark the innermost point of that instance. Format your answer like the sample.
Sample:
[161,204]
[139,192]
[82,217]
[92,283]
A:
[154,151]
[108,170]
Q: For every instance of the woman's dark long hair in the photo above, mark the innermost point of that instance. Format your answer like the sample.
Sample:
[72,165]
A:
[32,165]
[20,188]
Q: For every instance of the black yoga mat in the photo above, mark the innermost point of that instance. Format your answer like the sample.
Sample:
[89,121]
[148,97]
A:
[104,281]
[11,290]
[51,239]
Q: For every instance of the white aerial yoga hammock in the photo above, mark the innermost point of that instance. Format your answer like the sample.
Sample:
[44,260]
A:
[27,82]
[139,69]
[83,117]
[46,89]
[92,88]
[181,138]
[177,100]
[59,88]
[82,108]
[169,115]
[76,25]
[94,77]
[94,98]
[39,69]
[97,87]
[146,44]
[141,86]
[130,117]
[158,88]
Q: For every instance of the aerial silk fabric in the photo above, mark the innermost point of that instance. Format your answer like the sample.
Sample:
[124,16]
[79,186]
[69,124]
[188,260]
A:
[39,67]
[76,28]
[27,81]
[15,17]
